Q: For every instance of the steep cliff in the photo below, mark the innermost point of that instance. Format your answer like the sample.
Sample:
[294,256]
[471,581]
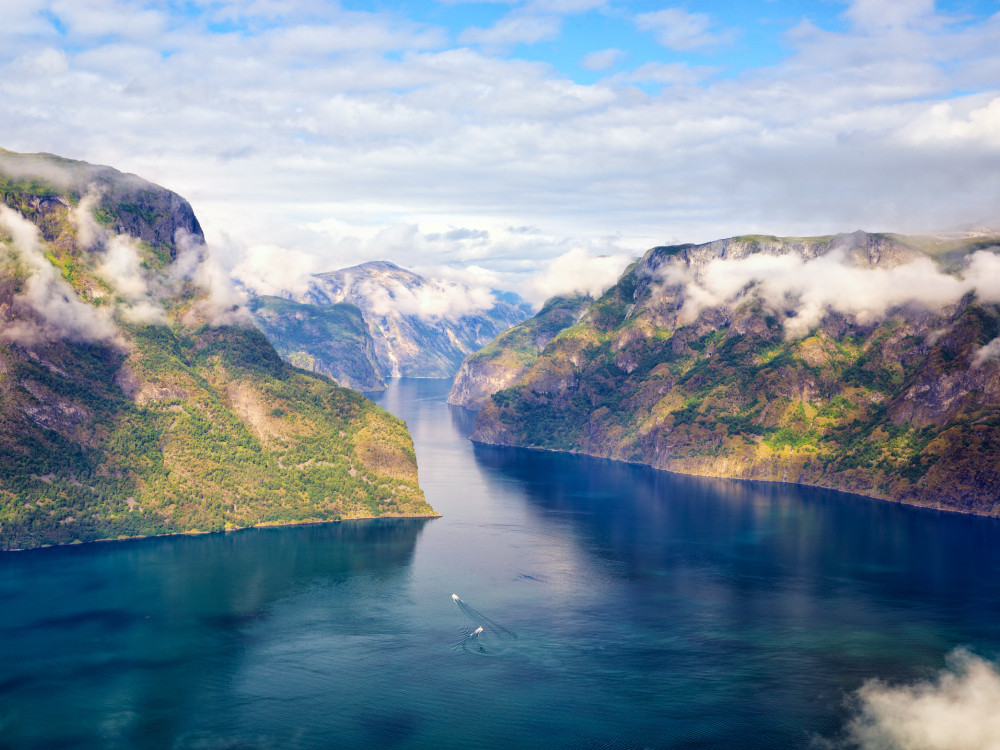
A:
[333,340]
[136,398]
[509,355]
[860,362]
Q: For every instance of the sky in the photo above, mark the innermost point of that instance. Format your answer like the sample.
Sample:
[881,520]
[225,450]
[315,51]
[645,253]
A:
[516,142]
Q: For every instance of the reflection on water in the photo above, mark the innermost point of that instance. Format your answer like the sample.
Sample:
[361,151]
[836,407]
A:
[128,638]
[649,518]
[621,608]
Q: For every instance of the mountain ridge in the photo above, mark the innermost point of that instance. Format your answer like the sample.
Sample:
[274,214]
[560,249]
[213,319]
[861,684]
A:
[418,327]
[699,361]
[135,397]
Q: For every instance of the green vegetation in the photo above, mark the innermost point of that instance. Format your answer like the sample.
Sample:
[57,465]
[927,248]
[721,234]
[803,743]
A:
[191,426]
[892,409]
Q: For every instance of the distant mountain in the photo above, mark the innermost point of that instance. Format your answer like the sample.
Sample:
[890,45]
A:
[862,362]
[135,396]
[330,339]
[418,327]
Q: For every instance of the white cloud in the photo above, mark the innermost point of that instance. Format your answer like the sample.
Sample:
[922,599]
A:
[813,287]
[309,112]
[513,29]
[665,73]
[576,272]
[56,311]
[602,59]
[430,301]
[938,125]
[275,270]
[889,13]
[121,265]
[678,29]
[990,350]
[195,263]
[957,710]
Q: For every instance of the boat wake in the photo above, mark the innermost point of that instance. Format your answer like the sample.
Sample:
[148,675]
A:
[485,636]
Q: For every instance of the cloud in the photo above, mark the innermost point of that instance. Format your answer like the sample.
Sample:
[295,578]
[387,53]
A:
[18,166]
[278,271]
[54,310]
[938,126]
[810,288]
[298,112]
[678,29]
[88,232]
[665,73]
[513,29]
[991,350]
[602,59]
[868,14]
[957,710]
[576,272]
[222,303]
[461,234]
[430,301]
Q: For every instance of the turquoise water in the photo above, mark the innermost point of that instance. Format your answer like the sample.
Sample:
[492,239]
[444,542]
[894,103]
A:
[620,608]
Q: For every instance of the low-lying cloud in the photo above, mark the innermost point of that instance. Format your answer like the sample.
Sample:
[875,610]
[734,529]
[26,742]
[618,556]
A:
[467,264]
[956,710]
[56,311]
[48,308]
[431,301]
[119,263]
[277,271]
[809,289]
[221,304]
[576,271]
[143,291]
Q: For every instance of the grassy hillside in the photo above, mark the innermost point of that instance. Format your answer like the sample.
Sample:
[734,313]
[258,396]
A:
[897,408]
[188,421]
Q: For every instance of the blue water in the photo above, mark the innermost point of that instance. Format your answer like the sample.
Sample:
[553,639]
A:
[621,608]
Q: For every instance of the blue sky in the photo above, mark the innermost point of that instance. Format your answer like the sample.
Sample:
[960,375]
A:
[489,139]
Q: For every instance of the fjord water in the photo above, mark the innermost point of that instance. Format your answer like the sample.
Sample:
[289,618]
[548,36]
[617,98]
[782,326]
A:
[621,608]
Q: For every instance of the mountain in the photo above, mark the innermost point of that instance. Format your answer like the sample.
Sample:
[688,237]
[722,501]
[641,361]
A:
[509,355]
[136,398]
[419,327]
[330,339]
[861,362]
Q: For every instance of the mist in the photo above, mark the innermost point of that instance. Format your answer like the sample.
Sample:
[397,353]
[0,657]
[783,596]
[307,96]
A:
[576,271]
[195,264]
[430,301]
[955,710]
[55,311]
[809,289]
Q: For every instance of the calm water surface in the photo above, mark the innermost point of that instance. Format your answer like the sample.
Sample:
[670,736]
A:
[620,608]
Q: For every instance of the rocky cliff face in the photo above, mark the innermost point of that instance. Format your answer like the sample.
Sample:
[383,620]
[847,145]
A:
[509,355]
[333,340]
[860,362]
[135,396]
[419,328]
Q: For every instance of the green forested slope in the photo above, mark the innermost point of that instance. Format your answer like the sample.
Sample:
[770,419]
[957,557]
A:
[902,407]
[129,413]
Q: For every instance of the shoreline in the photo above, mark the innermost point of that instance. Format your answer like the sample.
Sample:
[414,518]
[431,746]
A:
[879,498]
[264,525]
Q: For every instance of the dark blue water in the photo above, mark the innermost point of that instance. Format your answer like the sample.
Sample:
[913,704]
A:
[620,607]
